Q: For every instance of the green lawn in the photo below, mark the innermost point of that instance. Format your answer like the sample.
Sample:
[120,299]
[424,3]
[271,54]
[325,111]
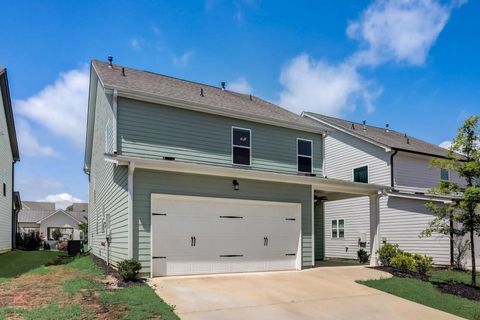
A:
[15,263]
[76,291]
[426,293]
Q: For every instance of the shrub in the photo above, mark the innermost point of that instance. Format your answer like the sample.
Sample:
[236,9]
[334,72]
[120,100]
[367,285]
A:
[29,241]
[387,252]
[62,245]
[56,234]
[128,269]
[423,264]
[403,261]
[46,245]
[362,256]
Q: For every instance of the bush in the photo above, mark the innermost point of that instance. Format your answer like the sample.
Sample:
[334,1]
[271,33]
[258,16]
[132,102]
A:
[56,234]
[387,252]
[128,269]
[403,261]
[62,245]
[29,241]
[46,245]
[423,264]
[362,256]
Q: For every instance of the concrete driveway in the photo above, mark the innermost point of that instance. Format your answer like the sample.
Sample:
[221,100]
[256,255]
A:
[320,293]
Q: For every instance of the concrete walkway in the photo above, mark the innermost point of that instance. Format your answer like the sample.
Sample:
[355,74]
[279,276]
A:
[320,293]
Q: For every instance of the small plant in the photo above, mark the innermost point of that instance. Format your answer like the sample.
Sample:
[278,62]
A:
[387,252]
[62,245]
[362,256]
[404,262]
[46,246]
[128,269]
[29,241]
[423,264]
[56,234]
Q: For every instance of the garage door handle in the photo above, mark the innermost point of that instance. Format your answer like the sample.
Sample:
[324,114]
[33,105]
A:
[230,255]
[159,257]
[290,219]
[193,241]
[265,241]
[290,254]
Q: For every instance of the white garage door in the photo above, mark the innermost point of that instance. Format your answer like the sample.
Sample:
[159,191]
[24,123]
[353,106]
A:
[200,235]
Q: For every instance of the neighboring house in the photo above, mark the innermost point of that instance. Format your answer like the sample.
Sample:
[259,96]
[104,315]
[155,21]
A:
[190,178]
[9,199]
[44,218]
[364,153]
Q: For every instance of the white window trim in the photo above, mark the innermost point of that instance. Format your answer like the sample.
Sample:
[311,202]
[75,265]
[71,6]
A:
[237,146]
[338,229]
[368,173]
[301,155]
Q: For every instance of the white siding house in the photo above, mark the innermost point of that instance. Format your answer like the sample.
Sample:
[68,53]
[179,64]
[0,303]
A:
[8,156]
[403,214]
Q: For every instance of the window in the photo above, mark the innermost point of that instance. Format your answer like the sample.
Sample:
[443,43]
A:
[338,228]
[304,155]
[360,174]
[444,174]
[65,233]
[241,146]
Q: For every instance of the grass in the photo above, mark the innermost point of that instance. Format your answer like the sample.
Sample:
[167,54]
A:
[426,293]
[448,275]
[77,291]
[15,263]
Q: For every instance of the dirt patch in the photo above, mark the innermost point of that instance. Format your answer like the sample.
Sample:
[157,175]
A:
[460,289]
[34,290]
[113,279]
[402,274]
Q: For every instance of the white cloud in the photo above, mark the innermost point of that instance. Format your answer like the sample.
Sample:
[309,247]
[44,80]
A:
[323,87]
[446,144]
[135,44]
[183,59]
[29,144]
[241,85]
[399,30]
[62,200]
[61,107]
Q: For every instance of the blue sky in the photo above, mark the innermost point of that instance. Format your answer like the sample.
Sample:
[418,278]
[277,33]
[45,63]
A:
[410,63]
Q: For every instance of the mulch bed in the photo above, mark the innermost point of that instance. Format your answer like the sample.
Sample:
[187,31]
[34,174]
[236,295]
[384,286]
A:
[457,289]
[110,271]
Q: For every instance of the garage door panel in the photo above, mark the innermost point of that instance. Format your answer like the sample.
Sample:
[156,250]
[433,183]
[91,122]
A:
[230,235]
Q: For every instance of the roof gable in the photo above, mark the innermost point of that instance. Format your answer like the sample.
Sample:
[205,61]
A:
[7,105]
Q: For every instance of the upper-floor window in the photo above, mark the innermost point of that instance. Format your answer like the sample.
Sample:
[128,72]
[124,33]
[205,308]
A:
[444,174]
[304,155]
[360,174]
[338,228]
[241,146]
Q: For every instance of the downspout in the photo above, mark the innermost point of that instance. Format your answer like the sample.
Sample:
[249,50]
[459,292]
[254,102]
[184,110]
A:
[114,123]
[131,169]
[14,212]
[324,173]
[392,180]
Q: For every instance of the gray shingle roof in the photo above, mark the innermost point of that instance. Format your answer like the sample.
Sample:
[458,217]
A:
[80,207]
[38,205]
[149,83]
[392,138]
[32,215]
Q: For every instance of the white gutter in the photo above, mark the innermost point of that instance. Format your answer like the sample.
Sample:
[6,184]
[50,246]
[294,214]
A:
[425,197]
[319,183]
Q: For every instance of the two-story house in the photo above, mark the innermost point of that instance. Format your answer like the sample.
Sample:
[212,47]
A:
[363,153]
[191,179]
[9,200]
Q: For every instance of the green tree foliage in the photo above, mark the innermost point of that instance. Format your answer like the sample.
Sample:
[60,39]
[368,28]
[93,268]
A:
[463,158]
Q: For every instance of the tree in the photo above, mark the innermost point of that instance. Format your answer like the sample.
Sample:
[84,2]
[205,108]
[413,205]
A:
[69,208]
[464,158]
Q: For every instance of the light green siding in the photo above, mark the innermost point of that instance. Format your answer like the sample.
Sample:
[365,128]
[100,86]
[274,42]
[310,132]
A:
[154,131]
[319,229]
[107,188]
[147,182]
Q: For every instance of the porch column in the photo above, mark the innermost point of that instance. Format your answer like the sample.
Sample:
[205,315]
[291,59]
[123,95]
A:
[374,228]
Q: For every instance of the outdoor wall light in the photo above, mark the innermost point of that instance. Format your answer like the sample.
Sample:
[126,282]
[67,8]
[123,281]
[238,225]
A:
[236,185]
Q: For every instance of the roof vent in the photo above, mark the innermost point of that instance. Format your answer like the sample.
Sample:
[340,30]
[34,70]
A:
[387,126]
[251,98]
[123,72]
[110,61]
[364,124]
[223,85]
[353,126]
[407,138]
[201,92]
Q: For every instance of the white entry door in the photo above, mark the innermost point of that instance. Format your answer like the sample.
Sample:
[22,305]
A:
[201,235]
